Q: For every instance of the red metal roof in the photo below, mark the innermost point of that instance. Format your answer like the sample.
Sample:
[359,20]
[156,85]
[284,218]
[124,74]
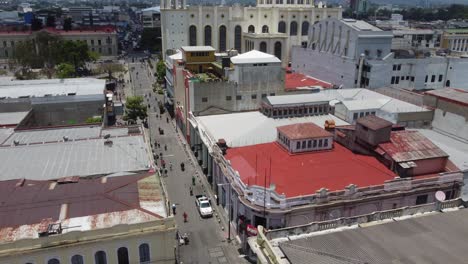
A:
[304,174]
[27,202]
[409,146]
[303,131]
[298,80]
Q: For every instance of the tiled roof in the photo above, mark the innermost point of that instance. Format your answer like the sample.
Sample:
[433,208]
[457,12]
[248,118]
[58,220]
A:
[452,95]
[303,131]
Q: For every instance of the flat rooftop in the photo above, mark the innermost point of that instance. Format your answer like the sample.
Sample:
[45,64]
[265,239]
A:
[435,238]
[12,118]
[298,81]
[456,149]
[86,204]
[306,173]
[51,87]
[251,128]
[44,154]
[197,48]
[353,99]
[457,96]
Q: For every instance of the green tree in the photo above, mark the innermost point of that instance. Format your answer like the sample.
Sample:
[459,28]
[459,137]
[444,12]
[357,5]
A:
[67,24]
[161,70]
[93,56]
[94,119]
[134,108]
[65,70]
[111,68]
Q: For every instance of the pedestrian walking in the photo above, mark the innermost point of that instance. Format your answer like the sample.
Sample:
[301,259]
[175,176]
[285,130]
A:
[185,217]
[165,147]
[173,209]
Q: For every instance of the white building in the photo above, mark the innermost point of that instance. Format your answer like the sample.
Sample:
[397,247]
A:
[272,27]
[151,17]
[352,53]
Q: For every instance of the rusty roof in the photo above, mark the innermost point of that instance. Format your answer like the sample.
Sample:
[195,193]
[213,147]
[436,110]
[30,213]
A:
[409,146]
[456,96]
[303,131]
[373,122]
[85,204]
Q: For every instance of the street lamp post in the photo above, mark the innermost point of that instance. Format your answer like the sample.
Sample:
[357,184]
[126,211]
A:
[229,209]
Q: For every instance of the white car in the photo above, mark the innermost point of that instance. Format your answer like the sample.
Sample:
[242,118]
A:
[204,206]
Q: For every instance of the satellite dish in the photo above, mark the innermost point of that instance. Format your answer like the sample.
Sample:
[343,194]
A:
[440,196]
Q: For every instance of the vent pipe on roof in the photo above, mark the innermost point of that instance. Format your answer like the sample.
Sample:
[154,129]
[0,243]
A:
[16,142]
[65,138]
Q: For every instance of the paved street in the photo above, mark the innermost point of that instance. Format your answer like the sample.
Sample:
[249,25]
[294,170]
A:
[207,239]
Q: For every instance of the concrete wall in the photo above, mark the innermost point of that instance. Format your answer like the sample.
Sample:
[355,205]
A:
[53,114]
[451,124]
[251,83]
[324,66]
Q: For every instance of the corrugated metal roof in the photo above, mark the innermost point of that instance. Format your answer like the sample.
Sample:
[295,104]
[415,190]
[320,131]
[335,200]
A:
[409,146]
[74,158]
[50,135]
[434,238]
[303,131]
[89,204]
[52,87]
[250,128]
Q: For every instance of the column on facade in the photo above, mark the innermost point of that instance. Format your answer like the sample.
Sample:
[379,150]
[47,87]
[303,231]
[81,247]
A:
[200,29]
[204,156]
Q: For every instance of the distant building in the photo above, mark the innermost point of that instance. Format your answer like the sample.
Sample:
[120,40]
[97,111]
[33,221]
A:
[122,219]
[151,17]
[271,26]
[353,53]
[359,6]
[455,40]
[202,82]
[102,40]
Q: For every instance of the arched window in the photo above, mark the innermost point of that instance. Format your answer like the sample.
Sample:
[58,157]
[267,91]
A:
[53,261]
[77,259]
[278,50]
[238,38]
[144,253]
[263,46]
[282,27]
[293,29]
[100,257]
[265,29]
[222,38]
[207,35]
[305,28]
[251,29]
[192,35]
[122,256]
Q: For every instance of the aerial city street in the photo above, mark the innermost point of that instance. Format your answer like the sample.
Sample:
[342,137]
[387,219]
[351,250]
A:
[254,131]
